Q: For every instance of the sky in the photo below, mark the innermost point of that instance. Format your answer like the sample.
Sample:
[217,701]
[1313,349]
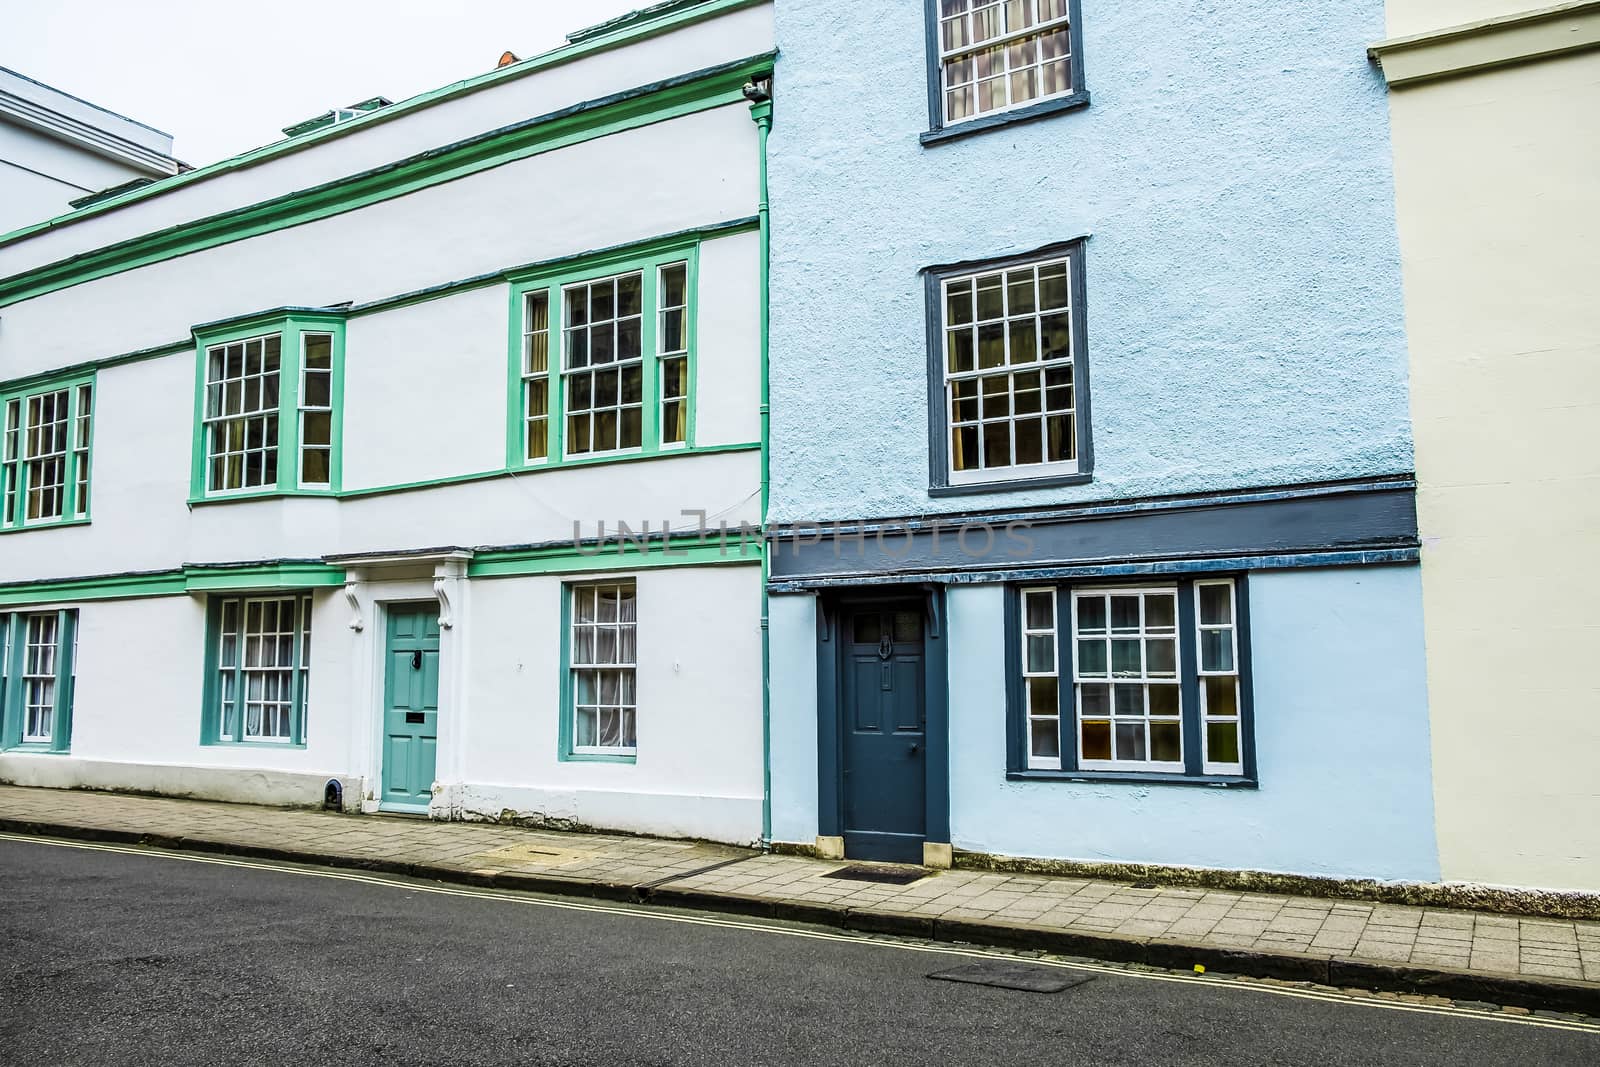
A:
[223,76]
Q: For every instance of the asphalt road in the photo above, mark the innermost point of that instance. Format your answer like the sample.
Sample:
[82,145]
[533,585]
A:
[108,957]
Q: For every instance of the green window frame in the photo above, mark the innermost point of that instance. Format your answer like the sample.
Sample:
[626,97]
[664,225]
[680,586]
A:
[46,448]
[602,358]
[258,668]
[599,671]
[269,407]
[38,673]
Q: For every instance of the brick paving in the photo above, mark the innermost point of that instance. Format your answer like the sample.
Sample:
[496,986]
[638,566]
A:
[1476,943]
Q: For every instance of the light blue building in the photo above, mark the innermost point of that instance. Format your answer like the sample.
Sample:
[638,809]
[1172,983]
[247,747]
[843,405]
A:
[1092,473]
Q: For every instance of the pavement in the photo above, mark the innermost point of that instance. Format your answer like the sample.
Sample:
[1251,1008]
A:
[1534,963]
[123,955]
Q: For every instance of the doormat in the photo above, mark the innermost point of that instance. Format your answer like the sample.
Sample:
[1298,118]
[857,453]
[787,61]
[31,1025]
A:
[1019,976]
[886,875]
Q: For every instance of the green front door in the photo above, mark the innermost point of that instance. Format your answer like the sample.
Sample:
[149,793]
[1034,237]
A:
[410,706]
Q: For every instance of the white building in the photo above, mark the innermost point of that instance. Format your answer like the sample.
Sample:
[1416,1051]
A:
[296,446]
[55,148]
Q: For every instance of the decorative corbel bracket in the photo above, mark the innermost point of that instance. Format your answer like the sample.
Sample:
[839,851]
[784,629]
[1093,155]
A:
[350,593]
[441,589]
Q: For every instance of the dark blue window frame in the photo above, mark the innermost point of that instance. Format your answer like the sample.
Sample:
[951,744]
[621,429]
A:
[1193,774]
[938,131]
[939,484]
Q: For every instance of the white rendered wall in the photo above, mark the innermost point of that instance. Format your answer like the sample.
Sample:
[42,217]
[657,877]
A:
[698,771]
[726,39]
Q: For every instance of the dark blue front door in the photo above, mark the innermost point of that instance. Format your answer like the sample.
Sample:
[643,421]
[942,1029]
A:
[885,750]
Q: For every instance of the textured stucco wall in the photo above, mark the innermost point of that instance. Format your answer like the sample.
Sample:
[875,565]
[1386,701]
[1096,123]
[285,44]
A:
[1244,308]
[1510,521]
[1341,745]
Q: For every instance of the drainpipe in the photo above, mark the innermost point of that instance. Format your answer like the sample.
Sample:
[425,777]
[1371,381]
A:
[759,92]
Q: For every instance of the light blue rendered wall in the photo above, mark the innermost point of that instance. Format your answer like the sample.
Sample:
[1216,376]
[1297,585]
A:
[1244,301]
[1341,745]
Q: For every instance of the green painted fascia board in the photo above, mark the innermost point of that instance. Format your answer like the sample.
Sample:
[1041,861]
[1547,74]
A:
[1489,43]
[308,574]
[371,307]
[569,558]
[258,322]
[630,109]
[621,37]
[102,587]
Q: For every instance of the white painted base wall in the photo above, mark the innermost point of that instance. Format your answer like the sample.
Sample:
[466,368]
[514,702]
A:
[239,786]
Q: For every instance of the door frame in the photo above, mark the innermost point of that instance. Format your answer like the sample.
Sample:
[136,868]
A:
[832,606]
[382,616]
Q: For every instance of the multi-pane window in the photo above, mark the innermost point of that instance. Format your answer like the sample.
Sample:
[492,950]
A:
[603,657]
[44,455]
[1125,651]
[603,364]
[536,375]
[1215,616]
[269,408]
[241,419]
[1143,679]
[316,409]
[1008,369]
[37,656]
[672,346]
[1041,678]
[262,663]
[995,55]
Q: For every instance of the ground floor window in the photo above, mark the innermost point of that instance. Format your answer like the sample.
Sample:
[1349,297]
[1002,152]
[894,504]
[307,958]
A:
[38,653]
[601,700]
[1146,679]
[259,669]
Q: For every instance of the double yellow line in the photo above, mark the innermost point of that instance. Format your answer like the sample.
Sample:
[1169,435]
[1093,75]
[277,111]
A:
[657,914]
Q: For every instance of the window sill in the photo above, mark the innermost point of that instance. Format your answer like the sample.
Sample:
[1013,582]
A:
[1215,781]
[272,494]
[1044,481]
[54,524]
[280,746]
[1043,109]
[598,757]
[35,748]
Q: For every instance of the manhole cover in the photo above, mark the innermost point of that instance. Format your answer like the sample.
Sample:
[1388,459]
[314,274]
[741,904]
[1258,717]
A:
[886,875]
[1019,976]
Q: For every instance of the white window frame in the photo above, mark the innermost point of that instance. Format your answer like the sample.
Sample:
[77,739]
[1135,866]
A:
[1231,672]
[1030,677]
[538,340]
[592,370]
[40,654]
[307,409]
[1004,40]
[626,668]
[1010,369]
[268,415]
[232,727]
[665,355]
[1145,679]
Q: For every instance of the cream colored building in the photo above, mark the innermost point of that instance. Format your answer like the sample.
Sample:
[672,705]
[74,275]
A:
[1495,114]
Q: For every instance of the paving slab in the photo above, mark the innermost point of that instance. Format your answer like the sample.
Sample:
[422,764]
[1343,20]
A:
[1537,963]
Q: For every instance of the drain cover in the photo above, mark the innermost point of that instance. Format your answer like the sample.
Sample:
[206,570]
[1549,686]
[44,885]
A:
[1020,976]
[886,875]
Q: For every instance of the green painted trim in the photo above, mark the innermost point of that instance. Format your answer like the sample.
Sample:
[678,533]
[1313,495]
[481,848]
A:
[728,228]
[16,522]
[264,577]
[101,587]
[564,729]
[647,258]
[291,325]
[568,558]
[630,109]
[210,693]
[1489,43]
[13,637]
[621,36]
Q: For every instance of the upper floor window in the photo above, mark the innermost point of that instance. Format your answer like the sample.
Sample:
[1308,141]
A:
[269,409]
[1145,679]
[606,362]
[994,61]
[44,453]
[1008,385]
[38,652]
